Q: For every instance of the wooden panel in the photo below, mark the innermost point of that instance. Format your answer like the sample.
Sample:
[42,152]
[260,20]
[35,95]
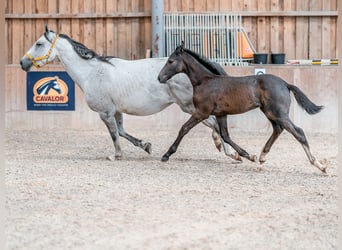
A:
[250,23]
[225,5]
[276,29]
[315,31]
[289,31]
[328,37]
[262,39]
[64,25]
[29,26]
[302,31]
[111,46]
[201,5]
[123,28]
[17,32]
[89,25]
[100,44]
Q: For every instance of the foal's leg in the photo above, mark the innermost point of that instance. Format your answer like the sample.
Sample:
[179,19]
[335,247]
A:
[183,97]
[109,120]
[298,133]
[222,122]
[136,142]
[192,122]
[277,129]
[212,123]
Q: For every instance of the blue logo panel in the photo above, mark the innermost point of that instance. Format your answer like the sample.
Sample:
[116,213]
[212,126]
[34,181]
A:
[50,90]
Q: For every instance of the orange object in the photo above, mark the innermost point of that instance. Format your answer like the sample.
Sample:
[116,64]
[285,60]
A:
[247,51]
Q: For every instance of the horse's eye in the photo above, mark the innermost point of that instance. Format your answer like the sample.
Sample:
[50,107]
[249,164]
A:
[38,45]
[171,61]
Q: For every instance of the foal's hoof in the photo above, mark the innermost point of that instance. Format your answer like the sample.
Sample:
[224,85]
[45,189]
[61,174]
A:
[321,165]
[262,160]
[164,158]
[148,147]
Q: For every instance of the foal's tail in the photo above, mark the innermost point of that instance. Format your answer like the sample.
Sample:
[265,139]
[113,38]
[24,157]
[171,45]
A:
[304,101]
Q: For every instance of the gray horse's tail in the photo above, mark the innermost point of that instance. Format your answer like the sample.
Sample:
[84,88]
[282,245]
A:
[304,101]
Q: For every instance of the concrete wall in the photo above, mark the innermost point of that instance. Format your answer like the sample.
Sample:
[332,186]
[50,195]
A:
[320,83]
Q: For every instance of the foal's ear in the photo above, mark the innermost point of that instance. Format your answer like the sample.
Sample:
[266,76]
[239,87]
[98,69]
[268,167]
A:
[180,48]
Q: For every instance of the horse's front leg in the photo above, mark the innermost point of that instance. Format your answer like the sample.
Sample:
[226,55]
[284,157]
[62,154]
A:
[136,142]
[109,120]
[192,122]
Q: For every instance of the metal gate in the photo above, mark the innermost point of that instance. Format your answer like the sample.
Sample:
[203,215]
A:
[217,36]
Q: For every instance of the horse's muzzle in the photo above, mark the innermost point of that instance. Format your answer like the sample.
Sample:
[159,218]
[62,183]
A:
[25,64]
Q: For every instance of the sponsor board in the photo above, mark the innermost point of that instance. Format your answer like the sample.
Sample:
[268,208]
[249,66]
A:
[50,90]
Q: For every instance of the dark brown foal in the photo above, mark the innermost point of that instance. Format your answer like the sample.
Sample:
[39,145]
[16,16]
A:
[224,95]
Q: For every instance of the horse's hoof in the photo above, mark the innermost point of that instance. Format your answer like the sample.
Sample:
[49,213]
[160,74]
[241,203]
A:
[109,158]
[218,146]
[253,158]
[148,147]
[164,158]
[118,157]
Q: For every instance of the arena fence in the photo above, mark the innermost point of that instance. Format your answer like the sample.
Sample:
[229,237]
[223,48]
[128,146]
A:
[219,36]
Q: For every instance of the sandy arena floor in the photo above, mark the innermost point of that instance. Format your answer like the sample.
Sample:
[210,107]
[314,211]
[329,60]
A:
[63,193]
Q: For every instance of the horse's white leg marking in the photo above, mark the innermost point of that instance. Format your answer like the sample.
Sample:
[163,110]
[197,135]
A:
[109,120]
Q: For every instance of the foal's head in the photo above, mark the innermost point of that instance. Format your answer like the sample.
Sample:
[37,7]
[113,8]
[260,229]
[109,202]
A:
[178,62]
[173,66]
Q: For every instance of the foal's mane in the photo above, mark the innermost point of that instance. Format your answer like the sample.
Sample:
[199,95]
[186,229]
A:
[84,52]
[213,67]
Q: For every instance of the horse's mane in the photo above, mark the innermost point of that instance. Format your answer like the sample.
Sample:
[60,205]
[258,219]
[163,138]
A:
[213,67]
[84,52]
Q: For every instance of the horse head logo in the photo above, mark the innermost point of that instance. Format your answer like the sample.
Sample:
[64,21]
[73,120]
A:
[48,85]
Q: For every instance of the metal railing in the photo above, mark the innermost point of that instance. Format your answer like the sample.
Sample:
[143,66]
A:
[213,35]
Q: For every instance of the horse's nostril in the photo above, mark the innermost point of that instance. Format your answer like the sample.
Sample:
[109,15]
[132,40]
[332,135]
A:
[21,63]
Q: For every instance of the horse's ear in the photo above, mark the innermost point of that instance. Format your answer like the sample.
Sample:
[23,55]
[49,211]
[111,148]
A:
[46,28]
[182,44]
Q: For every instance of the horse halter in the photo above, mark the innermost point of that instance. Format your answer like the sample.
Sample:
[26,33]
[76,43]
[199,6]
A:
[34,60]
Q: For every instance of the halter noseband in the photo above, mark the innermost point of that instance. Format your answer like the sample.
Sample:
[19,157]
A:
[34,60]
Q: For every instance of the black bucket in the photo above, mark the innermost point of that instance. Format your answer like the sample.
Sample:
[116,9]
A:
[260,58]
[278,58]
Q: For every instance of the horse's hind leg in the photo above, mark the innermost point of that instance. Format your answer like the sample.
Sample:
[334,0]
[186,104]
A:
[136,142]
[109,120]
[222,122]
[211,122]
[298,133]
[277,129]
